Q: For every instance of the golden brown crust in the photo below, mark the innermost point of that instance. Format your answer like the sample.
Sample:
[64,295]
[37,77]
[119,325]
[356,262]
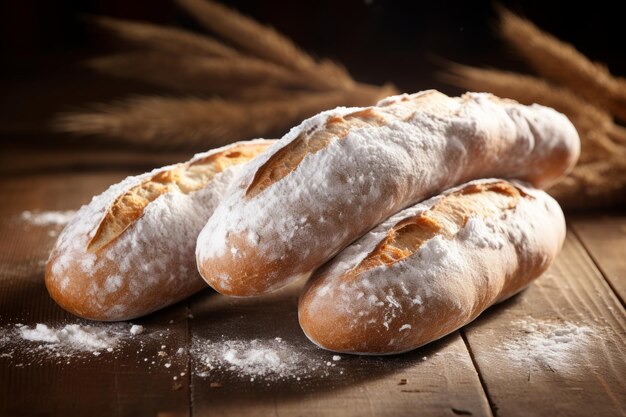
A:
[186,178]
[322,187]
[144,260]
[430,274]
[445,218]
[287,159]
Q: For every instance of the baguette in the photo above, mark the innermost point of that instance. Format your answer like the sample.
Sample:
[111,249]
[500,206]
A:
[340,173]
[432,268]
[130,251]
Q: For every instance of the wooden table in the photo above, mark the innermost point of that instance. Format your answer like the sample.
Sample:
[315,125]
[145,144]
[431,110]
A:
[470,372]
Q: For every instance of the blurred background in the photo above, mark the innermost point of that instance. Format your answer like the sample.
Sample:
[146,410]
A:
[43,44]
[403,45]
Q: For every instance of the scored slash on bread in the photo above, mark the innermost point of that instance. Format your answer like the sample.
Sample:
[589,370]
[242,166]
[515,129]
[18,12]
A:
[336,127]
[130,251]
[340,173]
[432,268]
[184,178]
[287,159]
[445,218]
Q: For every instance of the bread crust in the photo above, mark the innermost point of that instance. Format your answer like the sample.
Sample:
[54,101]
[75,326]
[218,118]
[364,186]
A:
[340,173]
[130,251]
[479,247]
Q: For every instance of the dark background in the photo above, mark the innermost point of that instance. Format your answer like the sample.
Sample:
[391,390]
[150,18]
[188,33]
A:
[404,42]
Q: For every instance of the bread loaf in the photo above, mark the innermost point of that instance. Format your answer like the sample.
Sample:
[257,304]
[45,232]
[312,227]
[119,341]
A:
[432,268]
[340,173]
[130,251]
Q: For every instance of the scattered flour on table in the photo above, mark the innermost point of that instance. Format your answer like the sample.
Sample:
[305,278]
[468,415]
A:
[559,345]
[263,360]
[48,218]
[41,343]
[267,360]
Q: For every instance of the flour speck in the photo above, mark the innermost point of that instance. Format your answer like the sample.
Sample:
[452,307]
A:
[47,218]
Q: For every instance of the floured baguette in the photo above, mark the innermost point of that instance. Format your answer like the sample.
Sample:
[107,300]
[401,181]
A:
[342,172]
[130,251]
[432,268]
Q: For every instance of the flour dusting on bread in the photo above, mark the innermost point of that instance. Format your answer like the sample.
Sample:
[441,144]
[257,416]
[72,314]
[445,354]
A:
[152,252]
[441,285]
[419,145]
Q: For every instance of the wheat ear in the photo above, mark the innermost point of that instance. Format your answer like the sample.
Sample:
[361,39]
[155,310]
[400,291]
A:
[194,122]
[561,62]
[163,38]
[264,42]
[198,74]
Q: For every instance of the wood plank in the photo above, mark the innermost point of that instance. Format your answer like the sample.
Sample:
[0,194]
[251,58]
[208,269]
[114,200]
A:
[438,380]
[604,237]
[123,382]
[558,348]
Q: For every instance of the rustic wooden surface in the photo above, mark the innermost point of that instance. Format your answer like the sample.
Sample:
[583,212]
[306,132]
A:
[603,237]
[466,373]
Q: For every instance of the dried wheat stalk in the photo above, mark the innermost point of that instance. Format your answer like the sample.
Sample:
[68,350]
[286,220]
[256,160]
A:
[266,83]
[199,122]
[561,62]
[162,38]
[596,185]
[263,41]
[198,74]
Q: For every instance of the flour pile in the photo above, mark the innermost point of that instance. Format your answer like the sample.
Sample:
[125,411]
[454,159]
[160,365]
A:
[265,360]
[269,360]
[42,343]
[558,345]
[72,336]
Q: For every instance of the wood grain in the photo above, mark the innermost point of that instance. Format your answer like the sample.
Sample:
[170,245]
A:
[119,383]
[587,380]
[604,237]
[438,380]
